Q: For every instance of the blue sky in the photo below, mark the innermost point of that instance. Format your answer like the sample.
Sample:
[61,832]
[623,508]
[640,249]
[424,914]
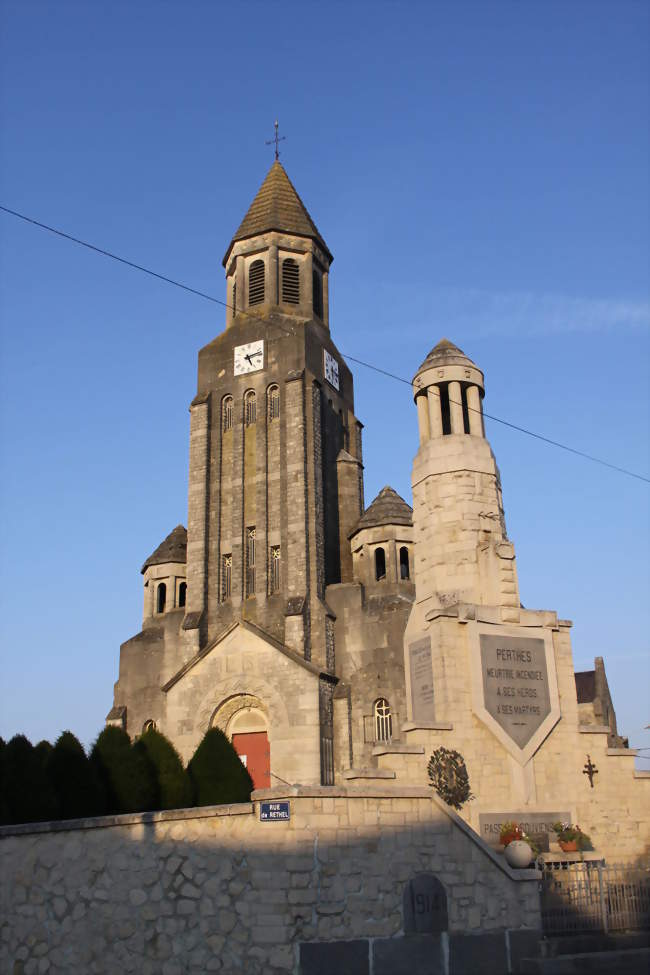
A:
[479,171]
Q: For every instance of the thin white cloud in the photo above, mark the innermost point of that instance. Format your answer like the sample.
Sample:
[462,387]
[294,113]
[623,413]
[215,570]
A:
[513,313]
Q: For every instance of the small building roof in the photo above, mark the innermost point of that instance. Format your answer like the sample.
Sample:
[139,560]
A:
[585,686]
[277,206]
[445,353]
[387,509]
[171,549]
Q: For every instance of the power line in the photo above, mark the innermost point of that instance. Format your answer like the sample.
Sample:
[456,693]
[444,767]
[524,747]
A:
[361,362]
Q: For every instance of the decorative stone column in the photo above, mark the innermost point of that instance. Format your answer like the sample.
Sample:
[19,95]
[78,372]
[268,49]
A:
[423,417]
[475,412]
[435,411]
[456,407]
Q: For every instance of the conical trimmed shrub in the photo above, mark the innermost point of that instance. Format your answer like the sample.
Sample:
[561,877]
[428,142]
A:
[174,786]
[28,791]
[75,780]
[127,774]
[217,773]
[4,807]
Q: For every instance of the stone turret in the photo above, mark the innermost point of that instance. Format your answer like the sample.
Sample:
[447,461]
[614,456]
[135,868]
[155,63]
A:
[463,554]
[165,571]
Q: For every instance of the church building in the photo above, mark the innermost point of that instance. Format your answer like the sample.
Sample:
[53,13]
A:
[335,643]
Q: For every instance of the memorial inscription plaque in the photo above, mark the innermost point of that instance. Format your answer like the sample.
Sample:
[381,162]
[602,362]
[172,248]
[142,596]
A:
[421,680]
[533,823]
[515,684]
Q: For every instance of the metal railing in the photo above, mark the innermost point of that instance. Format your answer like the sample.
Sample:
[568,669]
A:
[594,896]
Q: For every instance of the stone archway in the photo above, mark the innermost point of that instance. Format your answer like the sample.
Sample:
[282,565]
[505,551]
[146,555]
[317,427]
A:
[244,719]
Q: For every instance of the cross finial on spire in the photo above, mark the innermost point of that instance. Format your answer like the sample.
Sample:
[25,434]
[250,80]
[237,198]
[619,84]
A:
[277,139]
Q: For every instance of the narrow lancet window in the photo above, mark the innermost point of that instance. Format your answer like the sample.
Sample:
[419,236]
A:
[404,572]
[274,569]
[290,282]
[182,594]
[161,598]
[250,408]
[250,561]
[380,564]
[273,403]
[226,413]
[256,283]
[383,720]
[226,577]
[318,293]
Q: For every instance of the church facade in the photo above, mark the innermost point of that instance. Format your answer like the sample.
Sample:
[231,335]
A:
[341,644]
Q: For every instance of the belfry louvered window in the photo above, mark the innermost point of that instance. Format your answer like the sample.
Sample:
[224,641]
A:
[273,403]
[226,413]
[250,408]
[318,293]
[290,281]
[256,283]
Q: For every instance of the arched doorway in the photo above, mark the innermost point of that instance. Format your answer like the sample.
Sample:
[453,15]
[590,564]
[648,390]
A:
[245,723]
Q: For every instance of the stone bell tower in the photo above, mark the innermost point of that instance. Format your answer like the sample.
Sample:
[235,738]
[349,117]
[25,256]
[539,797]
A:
[269,506]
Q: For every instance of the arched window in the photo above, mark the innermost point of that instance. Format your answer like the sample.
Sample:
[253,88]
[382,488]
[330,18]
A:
[290,281]
[404,563]
[318,293]
[380,564]
[273,396]
[226,413]
[250,408]
[383,720]
[161,598]
[250,561]
[149,725]
[182,594]
[256,283]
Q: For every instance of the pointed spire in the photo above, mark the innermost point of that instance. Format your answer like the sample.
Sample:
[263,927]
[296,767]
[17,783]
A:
[277,206]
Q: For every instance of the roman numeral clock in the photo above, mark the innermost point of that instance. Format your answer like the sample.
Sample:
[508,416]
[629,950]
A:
[249,357]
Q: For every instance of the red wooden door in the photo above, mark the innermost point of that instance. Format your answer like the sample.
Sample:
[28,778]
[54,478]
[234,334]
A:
[255,752]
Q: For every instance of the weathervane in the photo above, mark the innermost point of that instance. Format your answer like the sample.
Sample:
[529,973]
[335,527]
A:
[277,139]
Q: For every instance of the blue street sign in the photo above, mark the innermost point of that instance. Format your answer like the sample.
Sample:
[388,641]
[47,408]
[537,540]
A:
[274,811]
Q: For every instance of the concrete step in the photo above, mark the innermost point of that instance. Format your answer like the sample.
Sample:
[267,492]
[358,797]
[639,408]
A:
[632,961]
[368,773]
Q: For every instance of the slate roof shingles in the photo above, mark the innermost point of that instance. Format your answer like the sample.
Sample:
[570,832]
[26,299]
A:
[277,206]
[387,509]
[171,549]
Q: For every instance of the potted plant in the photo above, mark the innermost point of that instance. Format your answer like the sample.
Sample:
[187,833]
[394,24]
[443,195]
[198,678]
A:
[519,849]
[571,838]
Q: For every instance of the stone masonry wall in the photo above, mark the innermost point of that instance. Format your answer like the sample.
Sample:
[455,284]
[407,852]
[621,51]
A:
[217,890]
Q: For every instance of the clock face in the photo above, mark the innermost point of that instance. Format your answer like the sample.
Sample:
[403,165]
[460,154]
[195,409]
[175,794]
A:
[331,369]
[249,357]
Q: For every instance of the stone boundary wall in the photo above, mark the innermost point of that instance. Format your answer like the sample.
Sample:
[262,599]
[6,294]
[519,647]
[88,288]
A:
[215,889]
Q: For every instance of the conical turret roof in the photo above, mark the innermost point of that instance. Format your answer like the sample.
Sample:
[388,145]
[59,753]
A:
[277,206]
[387,509]
[171,549]
[446,353]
